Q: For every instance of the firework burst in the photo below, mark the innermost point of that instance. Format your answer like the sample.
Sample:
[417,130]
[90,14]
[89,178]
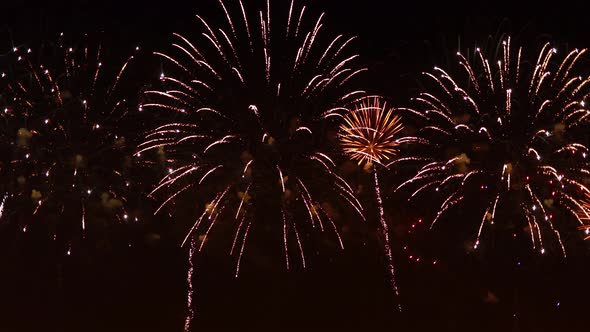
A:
[368,135]
[63,157]
[254,99]
[508,137]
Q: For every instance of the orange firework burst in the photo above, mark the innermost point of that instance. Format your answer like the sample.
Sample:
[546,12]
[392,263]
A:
[368,133]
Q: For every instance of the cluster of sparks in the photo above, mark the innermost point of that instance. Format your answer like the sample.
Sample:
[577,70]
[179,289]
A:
[413,252]
[61,156]
[511,132]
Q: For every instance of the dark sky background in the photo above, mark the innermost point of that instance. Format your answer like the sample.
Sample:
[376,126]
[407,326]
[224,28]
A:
[143,287]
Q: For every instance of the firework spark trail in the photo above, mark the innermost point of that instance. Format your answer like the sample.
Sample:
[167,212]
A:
[285,244]
[2,205]
[83,217]
[242,249]
[511,129]
[190,293]
[387,243]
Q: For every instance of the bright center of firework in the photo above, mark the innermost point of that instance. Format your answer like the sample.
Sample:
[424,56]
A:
[368,133]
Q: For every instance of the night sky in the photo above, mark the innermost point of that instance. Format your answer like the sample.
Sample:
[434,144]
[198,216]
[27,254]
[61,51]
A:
[135,278]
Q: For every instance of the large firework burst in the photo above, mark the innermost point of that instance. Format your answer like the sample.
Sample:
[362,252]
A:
[368,135]
[253,101]
[63,154]
[507,137]
[254,98]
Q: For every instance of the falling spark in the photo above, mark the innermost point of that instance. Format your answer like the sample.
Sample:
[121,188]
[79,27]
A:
[83,218]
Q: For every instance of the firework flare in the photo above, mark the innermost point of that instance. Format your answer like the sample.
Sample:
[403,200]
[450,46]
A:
[63,156]
[368,135]
[505,136]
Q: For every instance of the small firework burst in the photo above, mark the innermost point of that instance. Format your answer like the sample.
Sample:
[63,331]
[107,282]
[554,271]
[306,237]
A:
[369,133]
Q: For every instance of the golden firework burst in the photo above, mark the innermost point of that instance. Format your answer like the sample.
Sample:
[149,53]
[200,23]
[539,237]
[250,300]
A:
[368,134]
